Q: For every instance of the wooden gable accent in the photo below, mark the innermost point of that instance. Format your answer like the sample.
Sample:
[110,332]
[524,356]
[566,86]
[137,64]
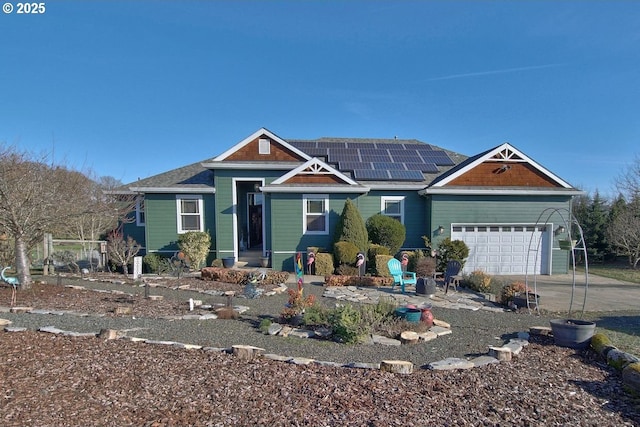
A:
[276,152]
[315,173]
[504,174]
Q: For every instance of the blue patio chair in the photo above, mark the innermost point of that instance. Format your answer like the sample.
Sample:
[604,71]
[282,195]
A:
[451,275]
[400,277]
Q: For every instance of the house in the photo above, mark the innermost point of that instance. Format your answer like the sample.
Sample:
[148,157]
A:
[278,197]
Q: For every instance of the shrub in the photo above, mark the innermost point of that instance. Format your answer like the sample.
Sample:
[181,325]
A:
[425,267]
[479,281]
[451,250]
[316,315]
[152,262]
[345,253]
[195,245]
[382,267]
[511,290]
[386,231]
[351,227]
[347,325]
[217,263]
[297,304]
[264,325]
[372,253]
[347,270]
[324,264]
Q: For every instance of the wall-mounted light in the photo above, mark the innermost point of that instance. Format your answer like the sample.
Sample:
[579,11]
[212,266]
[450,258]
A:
[440,230]
[559,230]
[256,187]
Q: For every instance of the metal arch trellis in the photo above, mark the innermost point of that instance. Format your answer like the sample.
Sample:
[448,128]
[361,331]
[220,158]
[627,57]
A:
[568,220]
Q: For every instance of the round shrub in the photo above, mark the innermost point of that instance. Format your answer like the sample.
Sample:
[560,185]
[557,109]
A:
[351,228]
[451,250]
[479,281]
[345,253]
[152,262]
[386,231]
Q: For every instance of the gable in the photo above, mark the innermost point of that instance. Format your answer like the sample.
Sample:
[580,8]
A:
[263,146]
[314,174]
[501,167]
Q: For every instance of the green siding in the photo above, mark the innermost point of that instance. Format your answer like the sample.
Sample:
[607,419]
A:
[162,221]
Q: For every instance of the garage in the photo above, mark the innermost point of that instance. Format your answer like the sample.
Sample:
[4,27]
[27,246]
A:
[502,249]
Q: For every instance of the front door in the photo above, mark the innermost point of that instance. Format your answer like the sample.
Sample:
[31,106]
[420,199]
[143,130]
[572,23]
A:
[254,208]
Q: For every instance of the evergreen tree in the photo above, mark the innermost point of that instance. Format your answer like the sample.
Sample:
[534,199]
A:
[594,228]
[351,227]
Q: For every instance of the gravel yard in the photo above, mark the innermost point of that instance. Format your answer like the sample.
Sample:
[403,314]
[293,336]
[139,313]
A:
[56,380]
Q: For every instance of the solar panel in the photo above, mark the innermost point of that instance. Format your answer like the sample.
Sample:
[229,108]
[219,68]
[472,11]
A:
[388,166]
[410,175]
[375,157]
[326,144]
[424,167]
[343,154]
[405,157]
[316,152]
[358,145]
[370,174]
[388,145]
[304,144]
[349,166]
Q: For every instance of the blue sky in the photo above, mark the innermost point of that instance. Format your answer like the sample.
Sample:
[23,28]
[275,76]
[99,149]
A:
[132,89]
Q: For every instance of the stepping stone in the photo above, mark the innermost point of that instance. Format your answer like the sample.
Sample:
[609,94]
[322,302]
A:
[440,331]
[379,339]
[301,361]
[451,364]
[51,330]
[5,322]
[277,357]
[484,360]
[15,329]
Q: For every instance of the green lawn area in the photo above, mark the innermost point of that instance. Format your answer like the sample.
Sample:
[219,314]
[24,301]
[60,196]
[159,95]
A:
[623,329]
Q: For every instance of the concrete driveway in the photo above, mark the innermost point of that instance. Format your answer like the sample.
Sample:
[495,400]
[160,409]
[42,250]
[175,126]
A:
[603,294]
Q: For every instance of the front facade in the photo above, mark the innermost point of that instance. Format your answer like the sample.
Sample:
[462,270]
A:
[280,196]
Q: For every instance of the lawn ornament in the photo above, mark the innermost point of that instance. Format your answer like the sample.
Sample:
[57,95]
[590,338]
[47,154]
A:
[13,281]
[311,259]
[360,263]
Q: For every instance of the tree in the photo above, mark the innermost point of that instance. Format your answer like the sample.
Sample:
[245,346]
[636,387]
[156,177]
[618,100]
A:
[121,251]
[37,197]
[351,227]
[386,231]
[624,234]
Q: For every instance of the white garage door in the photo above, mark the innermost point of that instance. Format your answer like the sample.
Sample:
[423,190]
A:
[502,249]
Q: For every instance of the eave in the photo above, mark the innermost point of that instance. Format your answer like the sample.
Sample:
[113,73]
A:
[504,191]
[313,189]
[181,190]
[251,165]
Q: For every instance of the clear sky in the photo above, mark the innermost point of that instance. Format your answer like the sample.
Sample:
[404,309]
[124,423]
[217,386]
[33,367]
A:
[131,89]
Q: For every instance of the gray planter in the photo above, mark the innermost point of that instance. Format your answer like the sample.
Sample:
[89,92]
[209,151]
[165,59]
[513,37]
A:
[229,262]
[572,333]
[426,286]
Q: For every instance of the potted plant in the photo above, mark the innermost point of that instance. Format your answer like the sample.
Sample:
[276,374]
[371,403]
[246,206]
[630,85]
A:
[264,260]
[425,269]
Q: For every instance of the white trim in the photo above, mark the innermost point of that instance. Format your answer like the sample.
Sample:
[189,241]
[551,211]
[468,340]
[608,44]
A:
[488,156]
[313,189]
[140,223]
[173,190]
[501,191]
[325,200]
[234,211]
[257,134]
[247,165]
[318,167]
[384,199]
[179,213]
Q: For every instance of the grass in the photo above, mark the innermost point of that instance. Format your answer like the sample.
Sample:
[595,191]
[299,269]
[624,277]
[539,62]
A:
[616,271]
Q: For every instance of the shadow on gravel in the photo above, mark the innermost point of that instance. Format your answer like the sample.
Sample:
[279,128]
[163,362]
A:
[628,324]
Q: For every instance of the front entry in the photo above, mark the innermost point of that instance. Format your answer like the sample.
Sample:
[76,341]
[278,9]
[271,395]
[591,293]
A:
[254,209]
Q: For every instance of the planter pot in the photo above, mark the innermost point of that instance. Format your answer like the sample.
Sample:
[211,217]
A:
[229,262]
[572,333]
[409,314]
[264,261]
[521,300]
[567,244]
[426,286]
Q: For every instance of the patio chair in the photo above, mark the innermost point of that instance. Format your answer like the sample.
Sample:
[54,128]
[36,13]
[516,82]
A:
[400,277]
[451,275]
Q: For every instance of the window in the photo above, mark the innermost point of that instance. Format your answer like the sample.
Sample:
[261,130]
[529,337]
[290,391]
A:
[393,207]
[140,221]
[189,213]
[264,146]
[316,214]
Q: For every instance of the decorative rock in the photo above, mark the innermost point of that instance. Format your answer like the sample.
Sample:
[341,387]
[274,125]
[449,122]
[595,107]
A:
[301,333]
[440,323]
[301,361]
[125,310]
[323,332]
[631,377]
[274,328]
[514,346]
[156,297]
[450,364]
[484,360]
[440,331]
[285,331]
[20,309]
[277,357]
[524,337]
[5,322]
[396,366]
[188,346]
[133,339]
[327,364]
[619,359]
[51,330]
[79,334]
[409,337]
[246,352]
[503,354]
[379,339]
[362,365]
[108,334]
[14,329]
[159,342]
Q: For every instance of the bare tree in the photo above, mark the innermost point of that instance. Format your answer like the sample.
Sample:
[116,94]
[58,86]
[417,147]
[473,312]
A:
[36,198]
[122,251]
[624,230]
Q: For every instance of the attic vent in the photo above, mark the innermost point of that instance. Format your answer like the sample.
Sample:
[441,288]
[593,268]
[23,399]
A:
[264,146]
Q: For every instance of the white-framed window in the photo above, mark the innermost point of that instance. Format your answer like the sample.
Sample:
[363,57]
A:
[190,213]
[393,206]
[315,214]
[140,220]
[264,146]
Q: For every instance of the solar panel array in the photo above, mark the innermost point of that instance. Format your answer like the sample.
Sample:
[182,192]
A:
[379,161]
